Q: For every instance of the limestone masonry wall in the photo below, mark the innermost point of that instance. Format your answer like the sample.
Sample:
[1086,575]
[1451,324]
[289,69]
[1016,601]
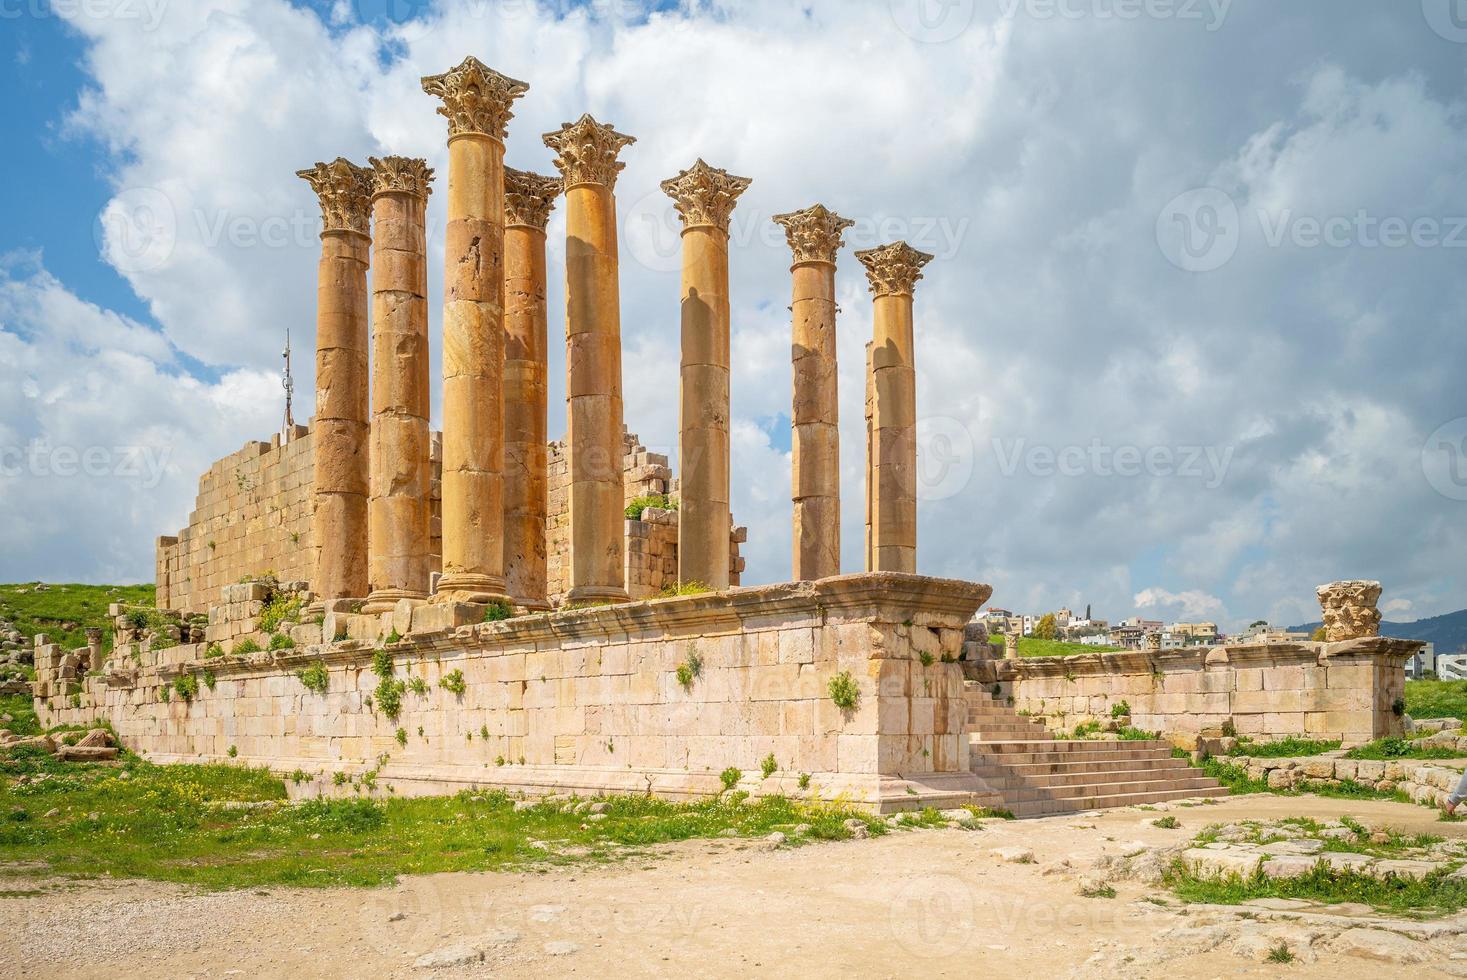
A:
[581,701]
[1351,690]
[253,515]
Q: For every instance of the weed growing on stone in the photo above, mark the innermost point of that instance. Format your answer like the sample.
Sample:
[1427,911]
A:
[213,650]
[282,641]
[1281,953]
[186,686]
[1284,748]
[1167,823]
[804,780]
[401,736]
[769,765]
[843,691]
[247,645]
[418,686]
[690,670]
[1385,749]
[315,677]
[1437,893]
[497,612]
[1120,709]
[730,777]
[453,682]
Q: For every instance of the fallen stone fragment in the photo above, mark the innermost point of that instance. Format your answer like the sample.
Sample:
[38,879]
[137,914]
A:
[1013,855]
[1379,945]
[449,956]
[86,753]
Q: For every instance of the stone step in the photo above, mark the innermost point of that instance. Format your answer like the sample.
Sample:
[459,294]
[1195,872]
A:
[1045,808]
[1147,749]
[1024,792]
[985,767]
[997,774]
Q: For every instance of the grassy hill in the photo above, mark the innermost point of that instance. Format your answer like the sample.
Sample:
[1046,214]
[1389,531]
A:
[65,611]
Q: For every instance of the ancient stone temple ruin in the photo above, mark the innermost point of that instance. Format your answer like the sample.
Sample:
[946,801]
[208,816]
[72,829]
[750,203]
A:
[376,607]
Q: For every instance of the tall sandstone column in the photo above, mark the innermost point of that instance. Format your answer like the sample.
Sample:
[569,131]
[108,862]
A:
[892,468]
[398,512]
[528,200]
[476,102]
[339,434]
[586,158]
[705,198]
[815,237]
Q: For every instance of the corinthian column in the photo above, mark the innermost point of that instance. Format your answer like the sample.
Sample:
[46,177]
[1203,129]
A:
[705,198]
[528,200]
[586,158]
[892,467]
[339,433]
[815,237]
[397,514]
[476,102]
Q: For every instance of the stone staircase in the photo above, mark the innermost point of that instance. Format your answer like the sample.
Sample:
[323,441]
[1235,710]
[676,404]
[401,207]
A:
[1040,775]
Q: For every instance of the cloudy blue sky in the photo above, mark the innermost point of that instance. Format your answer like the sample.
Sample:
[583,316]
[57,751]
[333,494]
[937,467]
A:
[1192,343]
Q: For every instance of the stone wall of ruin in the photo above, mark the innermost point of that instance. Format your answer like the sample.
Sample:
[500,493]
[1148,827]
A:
[582,701]
[253,516]
[1351,690]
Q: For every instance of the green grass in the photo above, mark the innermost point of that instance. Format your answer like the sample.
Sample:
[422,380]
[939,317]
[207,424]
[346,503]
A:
[656,500]
[1285,748]
[77,606]
[168,823]
[22,712]
[1031,647]
[1435,894]
[1436,699]
[1385,749]
[1236,779]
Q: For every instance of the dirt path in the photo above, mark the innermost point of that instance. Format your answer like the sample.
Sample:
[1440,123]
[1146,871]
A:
[935,901]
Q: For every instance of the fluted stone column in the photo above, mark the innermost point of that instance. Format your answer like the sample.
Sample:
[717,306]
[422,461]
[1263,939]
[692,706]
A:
[586,158]
[476,102]
[398,512]
[339,433]
[815,237]
[705,198]
[528,200]
[892,471]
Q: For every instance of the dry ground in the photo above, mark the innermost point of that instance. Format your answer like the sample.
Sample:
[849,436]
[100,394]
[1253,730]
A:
[938,902]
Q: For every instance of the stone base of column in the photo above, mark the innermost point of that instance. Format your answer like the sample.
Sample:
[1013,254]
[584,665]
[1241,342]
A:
[386,600]
[596,594]
[482,589]
[525,607]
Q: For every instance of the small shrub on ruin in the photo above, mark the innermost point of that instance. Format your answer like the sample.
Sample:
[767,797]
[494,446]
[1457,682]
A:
[498,612]
[453,682]
[1097,891]
[804,780]
[418,686]
[401,736]
[926,659]
[769,765]
[213,650]
[690,670]
[282,641]
[389,697]
[299,776]
[247,645]
[315,677]
[393,639]
[382,664]
[484,732]
[186,686]
[676,589]
[1086,729]
[209,680]
[1281,953]
[233,751]
[338,779]
[499,760]
[1167,823]
[730,777]
[167,694]
[843,691]
[657,501]
[1120,709]
[281,609]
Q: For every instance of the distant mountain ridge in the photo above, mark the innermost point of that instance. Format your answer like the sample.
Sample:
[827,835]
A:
[1448,632]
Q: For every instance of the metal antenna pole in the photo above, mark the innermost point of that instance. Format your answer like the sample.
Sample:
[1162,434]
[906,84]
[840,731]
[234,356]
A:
[288,383]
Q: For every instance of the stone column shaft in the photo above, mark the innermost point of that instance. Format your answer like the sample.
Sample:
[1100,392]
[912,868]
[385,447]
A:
[340,430]
[705,197]
[476,103]
[815,238]
[586,157]
[528,201]
[398,511]
[893,271]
